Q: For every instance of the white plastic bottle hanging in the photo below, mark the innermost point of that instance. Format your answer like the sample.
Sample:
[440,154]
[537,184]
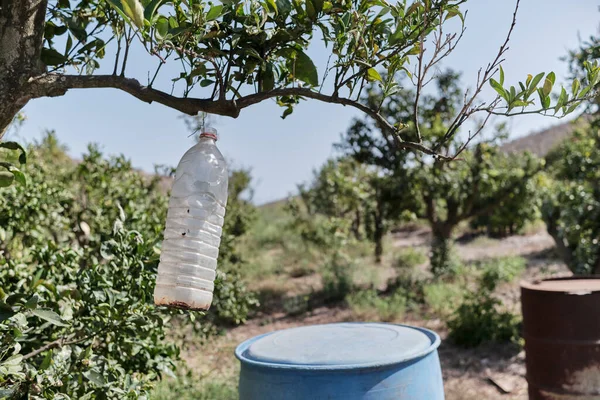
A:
[188,261]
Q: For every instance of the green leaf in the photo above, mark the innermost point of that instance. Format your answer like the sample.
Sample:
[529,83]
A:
[151,8]
[6,178]
[305,70]
[318,5]
[548,83]
[161,27]
[6,311]
[46,361]
[19,176]
[519,103]
[135,11]
[284,7]
[562,99]
[575,87]
[583,92]
[50,316]
[535,81]
[51,57]
[206,82]
[373,75]
[453,12]
[513,93]
[416,49]
[214,12]
[95,377]
[273,6]
[11,146]
[69,44]
[499,89]
[501,76]
[310,10]
[118,6]
[267,78]
[287,112]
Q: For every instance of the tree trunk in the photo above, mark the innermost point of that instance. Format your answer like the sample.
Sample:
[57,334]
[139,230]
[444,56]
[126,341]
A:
[378,237]
[21,38]
[441,249]
[356,225]
[562,248]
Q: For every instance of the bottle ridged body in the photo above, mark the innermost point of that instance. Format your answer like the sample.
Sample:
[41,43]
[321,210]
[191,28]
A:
[188,262]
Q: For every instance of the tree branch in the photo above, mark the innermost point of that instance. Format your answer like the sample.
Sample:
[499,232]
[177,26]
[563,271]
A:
[51,85]
[308,93]
[54,344]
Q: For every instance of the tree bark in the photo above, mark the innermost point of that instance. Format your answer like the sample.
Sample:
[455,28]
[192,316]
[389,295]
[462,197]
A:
[379,230]
[563,250]
[441,248]
[21,38]
[356,225]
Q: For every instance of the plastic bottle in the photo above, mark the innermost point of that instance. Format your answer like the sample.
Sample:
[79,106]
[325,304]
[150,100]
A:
[188,261]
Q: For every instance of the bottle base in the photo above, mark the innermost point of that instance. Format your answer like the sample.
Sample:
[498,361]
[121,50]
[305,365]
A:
[183,298]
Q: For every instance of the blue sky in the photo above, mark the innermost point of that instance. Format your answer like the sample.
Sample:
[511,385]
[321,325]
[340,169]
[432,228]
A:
[283,153]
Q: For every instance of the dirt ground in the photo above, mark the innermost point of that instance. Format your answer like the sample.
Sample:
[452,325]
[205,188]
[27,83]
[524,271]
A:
[488,372]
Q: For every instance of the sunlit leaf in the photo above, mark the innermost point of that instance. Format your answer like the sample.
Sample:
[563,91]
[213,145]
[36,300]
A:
[214,12]
[50,316]
[373,75]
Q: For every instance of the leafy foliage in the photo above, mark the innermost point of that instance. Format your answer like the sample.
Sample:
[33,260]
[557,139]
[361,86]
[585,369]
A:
[239,53]
[344,188]
[480,318]
[369,305]
[514,212]
[571,207]
[9,172]
[78,256]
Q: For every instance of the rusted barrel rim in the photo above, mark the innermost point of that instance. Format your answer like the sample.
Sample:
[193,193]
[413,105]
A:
[564,284]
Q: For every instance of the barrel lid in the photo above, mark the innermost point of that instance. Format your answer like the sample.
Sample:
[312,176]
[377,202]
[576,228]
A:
[575,285]
[338,346]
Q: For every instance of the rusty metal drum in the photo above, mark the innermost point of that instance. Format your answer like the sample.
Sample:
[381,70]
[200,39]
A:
[561,326]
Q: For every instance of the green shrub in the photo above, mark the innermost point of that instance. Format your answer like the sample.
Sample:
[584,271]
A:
[409,258]
[188,388]
[571,207]
[337,277]
[480,317]
[79,249]
[504,269]
[478,320]
[442,299]
[369,305]
[514,212]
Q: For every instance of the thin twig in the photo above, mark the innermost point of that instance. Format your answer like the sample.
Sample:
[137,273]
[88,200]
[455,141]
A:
[54,344]
[491,69]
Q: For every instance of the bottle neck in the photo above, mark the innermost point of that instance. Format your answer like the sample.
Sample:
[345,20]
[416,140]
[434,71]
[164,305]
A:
[207,139]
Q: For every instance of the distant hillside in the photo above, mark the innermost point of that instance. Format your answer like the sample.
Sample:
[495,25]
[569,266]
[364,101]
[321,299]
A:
[540,143]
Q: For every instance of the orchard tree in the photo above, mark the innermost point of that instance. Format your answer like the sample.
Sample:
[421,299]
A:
[339,189]
[483,183]
[443,193]
[346,189]
[233,54]
[571,207]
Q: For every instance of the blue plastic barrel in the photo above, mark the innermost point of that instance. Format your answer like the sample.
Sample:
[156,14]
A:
[349,361]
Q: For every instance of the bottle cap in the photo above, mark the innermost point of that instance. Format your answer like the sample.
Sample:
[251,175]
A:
[210,132]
